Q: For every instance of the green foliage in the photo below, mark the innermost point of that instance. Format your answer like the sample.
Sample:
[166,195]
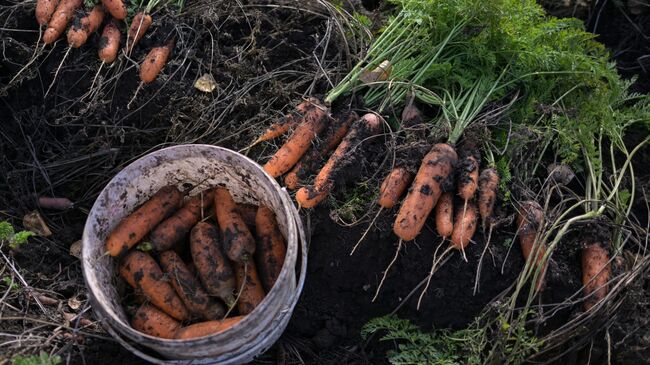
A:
[15,239]
[362,19]
[9,283]
[144,246]
[40,359]
[354,203]
[473,345]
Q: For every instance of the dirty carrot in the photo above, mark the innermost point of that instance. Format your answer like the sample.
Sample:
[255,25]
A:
[596,272]
[176,227]
[444,215]
[393,186]
[310,196]
[247,213]
[238,242]
[142,272]
[252,292]
[215,271]
[154,62]
[60,18]
[135,226]
[467,177]
[282,126]
[528,221]
[148,319]
[313,122]
[139,25]
[83,27]
[116,8]
[44,10]
[435,170]
[271,248]
[309,163]
[487,193]
[55,203]
[464,225]
[189,289]
[208,328]
[109,43]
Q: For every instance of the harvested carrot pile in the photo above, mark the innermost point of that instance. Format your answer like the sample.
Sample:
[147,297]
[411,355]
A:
[193,276]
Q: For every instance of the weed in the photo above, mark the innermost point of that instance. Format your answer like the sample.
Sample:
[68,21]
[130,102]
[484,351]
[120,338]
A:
[14,239]
[40,359]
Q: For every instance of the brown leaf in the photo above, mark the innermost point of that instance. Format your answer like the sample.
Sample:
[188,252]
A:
[35,223]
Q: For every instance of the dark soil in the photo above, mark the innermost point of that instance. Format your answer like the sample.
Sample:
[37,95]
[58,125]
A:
[263,62]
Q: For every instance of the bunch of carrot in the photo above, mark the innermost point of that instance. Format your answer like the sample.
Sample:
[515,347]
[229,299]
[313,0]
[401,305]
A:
[225,274]
[332,143]
[56,15]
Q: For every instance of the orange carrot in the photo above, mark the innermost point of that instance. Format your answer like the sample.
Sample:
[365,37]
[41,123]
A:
[310,196]
[116,8]
[281,127]
[82,27]
[238,241]
[435,170]
[60,19]
[528,220]
[135,226]
[109,43]
[271,248]
[468,177]
[142,272]
[154,62]
[189,289]
[203,329]
[176,227]
[44,10]
[487,194]
[308,164]
[252,292]
[215,272]
[148,319]
[445,215]
[464,225]
[394,185]
[596,272]
[139,25]
[313,122]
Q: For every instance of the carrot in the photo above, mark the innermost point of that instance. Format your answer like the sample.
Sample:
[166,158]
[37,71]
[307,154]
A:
[134,227]
[487,193]
[434,171]
[308,164]
[82,27]
[139,25]
[394,185]
[281,127]
[215,272]
[44,10]
[596,271]
[468,177]
[271,248]
[252,292]
[528,220]
[208,328]
[55,203]
[60,19]
[147,319]
[313,122]
[109,43]
[176,227]
[142,272]
[154,62]
[310,196]
[247,213]
[445,215]
[189,289]
[238,241]
[116,8]
[464,225]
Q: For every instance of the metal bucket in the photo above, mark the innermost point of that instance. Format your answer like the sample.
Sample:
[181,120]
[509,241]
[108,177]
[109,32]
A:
[248,183]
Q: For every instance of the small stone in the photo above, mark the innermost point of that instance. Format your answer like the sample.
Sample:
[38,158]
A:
[206,83]
[75,249]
